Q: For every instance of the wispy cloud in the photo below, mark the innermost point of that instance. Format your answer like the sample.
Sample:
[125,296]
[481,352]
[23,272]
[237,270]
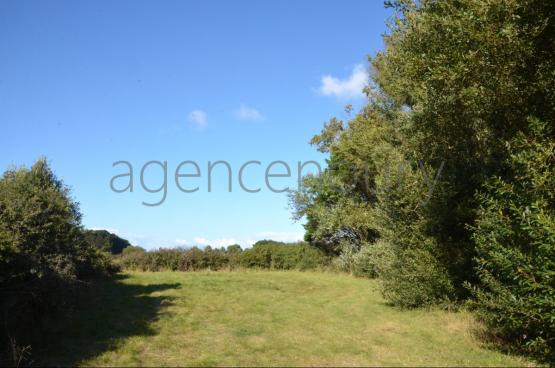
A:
[281,236]
[349,88]
[247,113]
[198,118]
[286,237]
[216,243]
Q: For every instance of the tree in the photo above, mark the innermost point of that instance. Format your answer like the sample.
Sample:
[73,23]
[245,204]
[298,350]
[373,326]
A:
[234,249]
[42,250]
[40,227]
[515,239]
[451,102]
[106,241]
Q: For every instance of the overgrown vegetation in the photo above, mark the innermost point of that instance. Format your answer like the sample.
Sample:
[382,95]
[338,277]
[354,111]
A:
[448,168]
[515,235]
[43,254]
[264,254]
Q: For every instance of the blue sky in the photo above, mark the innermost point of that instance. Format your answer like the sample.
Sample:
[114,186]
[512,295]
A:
[89,83]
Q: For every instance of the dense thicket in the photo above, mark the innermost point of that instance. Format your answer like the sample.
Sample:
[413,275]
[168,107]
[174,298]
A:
[444,144]
[43,253]
[515,239]
[106,241]
[263,255]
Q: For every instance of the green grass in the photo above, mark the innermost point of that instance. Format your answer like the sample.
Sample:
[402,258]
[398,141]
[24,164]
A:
[260,318]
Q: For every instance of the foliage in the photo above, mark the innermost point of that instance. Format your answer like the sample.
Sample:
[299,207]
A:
[515,238]
[106,241]
[455,82]
[415,278]
[39,227]
[175,259]
[43,254]
[373,259]
[283,256]
[264,254]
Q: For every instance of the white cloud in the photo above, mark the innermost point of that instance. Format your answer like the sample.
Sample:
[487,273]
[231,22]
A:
[346,88]
[286,237]
[201,241]
[198,118]
[248,114]
[280,236]
[216,243]
[245,242]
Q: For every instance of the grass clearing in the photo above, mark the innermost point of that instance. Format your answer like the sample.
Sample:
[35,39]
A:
[260,318]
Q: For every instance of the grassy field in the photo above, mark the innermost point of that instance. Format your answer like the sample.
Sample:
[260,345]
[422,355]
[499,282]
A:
[260,318]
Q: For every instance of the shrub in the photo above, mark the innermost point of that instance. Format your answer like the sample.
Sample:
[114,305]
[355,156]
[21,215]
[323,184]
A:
[164,259]
[42,249]
[192,260]
[215,259]
[234,253]
[372,259]
[265,254]
[415,278]
[363,261]
[106,241]
[131,258]
[412,262]
[515,239]
[282,256]
[344,262]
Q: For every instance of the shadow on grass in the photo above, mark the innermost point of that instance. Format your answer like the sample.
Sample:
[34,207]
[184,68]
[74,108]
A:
[110,312]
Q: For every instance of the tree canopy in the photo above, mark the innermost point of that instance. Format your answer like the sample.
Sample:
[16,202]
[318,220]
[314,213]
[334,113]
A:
[455,97]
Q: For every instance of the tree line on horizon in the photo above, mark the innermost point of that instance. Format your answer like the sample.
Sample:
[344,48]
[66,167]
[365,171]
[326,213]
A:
[264,254]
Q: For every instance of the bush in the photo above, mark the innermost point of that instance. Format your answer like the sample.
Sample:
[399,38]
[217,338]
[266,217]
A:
[106,241]
[265,254]
[42,249]
[367,261]
[215,259]
[515,239]
[164,259]
[131,258]
[415,278]
[193,260]
[344,262]
[40,229]
[282,256]
[372,259]
[412,263]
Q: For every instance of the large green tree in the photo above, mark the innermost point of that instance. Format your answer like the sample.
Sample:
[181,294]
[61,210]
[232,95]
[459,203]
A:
[43,254]
[40,226]
[455,82]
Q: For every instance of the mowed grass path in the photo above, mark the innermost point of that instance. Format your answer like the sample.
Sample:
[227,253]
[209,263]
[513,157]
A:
[261,318]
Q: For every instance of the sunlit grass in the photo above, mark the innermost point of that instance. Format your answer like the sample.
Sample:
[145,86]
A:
[262,318]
